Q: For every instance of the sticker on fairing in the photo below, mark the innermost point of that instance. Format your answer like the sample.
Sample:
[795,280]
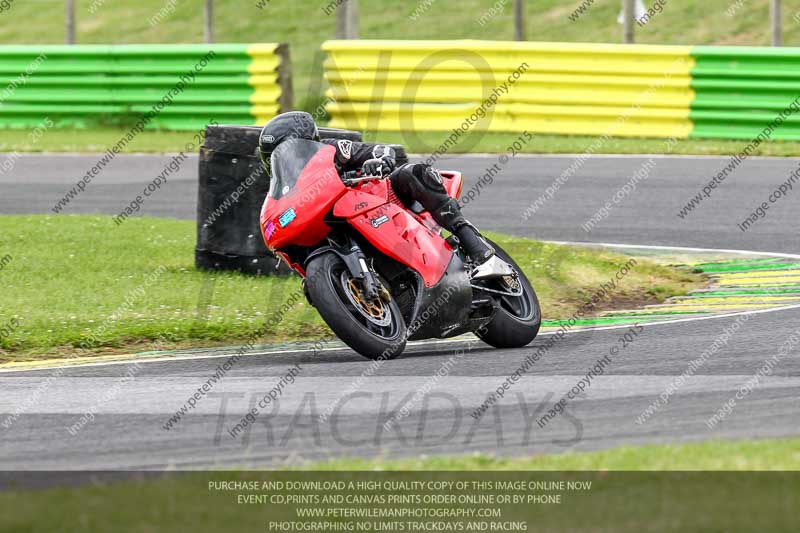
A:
[286,218]
[269,231]
[376,222]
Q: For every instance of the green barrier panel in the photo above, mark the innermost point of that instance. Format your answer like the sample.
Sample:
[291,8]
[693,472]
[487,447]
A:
[87,85]
[740,91]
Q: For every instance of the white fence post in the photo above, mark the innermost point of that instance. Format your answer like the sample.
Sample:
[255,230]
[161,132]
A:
[628,13]
[519,20]
[775,18]
[209,26]
[69,22]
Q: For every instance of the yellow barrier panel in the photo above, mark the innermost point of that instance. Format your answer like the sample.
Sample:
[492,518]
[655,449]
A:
[595,89]
[271,79]
[567,120]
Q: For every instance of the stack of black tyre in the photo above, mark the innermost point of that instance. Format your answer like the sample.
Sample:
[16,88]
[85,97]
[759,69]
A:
[228,232]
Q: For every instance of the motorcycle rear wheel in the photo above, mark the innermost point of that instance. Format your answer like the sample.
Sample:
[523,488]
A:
[374,329]
[518,318]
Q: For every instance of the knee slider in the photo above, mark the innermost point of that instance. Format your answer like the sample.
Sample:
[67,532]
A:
[429,177]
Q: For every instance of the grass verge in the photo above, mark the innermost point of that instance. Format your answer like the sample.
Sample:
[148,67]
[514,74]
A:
[70,279]
[779,454]
[157,141]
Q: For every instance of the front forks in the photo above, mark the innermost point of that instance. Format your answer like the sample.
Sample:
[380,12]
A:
[372,288]
[356,263]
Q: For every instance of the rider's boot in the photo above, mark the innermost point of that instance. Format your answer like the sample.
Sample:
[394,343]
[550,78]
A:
[486,264]
[447,214]
[485,260]
[473,243]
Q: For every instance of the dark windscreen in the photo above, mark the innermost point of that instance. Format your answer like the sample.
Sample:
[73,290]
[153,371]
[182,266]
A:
[287,163]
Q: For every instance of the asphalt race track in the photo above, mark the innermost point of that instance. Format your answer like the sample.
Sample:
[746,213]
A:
[128,430]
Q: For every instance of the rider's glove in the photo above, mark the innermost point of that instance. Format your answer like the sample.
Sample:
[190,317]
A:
[378,166]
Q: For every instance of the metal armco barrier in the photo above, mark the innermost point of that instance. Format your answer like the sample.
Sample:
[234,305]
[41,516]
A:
[565,88]
[88,85]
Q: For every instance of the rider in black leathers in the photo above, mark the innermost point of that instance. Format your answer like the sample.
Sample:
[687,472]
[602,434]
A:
[410,182]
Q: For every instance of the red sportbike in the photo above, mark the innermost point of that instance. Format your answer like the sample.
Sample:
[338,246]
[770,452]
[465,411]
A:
[381,273]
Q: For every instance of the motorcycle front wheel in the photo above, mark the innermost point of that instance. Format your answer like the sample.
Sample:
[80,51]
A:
[372,327]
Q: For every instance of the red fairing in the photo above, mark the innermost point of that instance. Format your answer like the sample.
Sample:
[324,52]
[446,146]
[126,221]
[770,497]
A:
[358,201]
[452,182]
[317,189]
[400,235]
